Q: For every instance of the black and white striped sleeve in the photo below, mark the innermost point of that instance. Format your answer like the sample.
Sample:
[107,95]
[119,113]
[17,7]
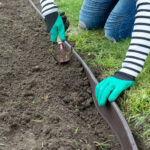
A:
[140,43]
[48,7]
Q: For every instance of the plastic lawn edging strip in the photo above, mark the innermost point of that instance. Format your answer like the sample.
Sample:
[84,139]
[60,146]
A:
[111,112]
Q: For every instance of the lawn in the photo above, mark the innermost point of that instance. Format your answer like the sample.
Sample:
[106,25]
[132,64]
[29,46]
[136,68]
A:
[135,103]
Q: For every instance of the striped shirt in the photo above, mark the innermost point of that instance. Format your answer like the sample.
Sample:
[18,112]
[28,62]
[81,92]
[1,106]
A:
[48,7]
[140,43]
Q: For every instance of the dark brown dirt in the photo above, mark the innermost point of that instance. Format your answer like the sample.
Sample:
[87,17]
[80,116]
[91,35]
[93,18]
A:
[43,105]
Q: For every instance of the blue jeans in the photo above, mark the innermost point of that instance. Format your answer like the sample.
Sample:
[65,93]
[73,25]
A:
[116,16]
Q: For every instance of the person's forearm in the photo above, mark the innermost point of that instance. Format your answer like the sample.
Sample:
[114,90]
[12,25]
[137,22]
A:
[48,7]
[140,43]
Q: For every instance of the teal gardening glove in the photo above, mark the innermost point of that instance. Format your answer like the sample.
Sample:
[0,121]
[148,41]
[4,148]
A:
[58,29]
[56,25]
[110,88]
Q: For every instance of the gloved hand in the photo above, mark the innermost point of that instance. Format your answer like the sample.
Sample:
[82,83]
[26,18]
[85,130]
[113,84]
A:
[110,88]
[57,24]
[58,29]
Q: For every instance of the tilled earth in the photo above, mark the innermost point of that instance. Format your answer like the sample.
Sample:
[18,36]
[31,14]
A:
[43,105]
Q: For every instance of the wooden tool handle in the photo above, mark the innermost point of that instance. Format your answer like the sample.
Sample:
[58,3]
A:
[59,40]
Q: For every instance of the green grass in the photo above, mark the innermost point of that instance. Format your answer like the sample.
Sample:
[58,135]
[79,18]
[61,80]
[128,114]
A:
[2,54]
[102,146]
[135,103]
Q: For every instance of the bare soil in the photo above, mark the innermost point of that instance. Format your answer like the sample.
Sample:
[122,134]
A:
[43,105]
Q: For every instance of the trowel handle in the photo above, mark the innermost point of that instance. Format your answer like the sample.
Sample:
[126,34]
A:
[59,41]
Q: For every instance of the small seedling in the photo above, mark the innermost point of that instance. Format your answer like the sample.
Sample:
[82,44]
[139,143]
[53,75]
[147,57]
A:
[75,142]
[76,130]
[4,138]
[37,121]
[50,50]
[89,126]
[2,54]
[60,118]
[33,102]
[111,135]
[85,140]
[1,144]
[101,145]
[14,102]
[43,25]
[42,144]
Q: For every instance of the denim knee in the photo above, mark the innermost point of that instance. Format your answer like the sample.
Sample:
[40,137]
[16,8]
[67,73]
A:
[119,24]
[94,13]
[90,23]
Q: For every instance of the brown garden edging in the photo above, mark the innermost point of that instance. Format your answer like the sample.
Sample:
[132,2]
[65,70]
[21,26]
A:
[111,112]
